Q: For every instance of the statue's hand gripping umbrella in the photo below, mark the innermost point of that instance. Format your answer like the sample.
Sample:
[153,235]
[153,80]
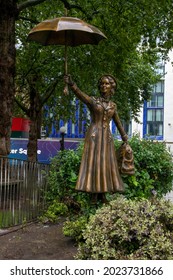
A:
[67,31]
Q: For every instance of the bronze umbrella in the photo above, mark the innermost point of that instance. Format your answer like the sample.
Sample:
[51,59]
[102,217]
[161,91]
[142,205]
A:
[67,31]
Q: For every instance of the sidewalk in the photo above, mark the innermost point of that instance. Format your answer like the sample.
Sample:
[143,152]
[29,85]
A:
[37,242]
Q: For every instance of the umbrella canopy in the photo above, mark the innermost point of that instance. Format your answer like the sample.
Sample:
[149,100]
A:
[66,31]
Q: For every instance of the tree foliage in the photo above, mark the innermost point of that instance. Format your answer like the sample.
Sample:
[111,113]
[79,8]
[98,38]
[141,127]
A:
[136,31]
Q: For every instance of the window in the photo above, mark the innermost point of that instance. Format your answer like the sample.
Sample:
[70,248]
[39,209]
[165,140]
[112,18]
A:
[153,113]
[159,87]
[155,101]
[154,129]
[161,69]
[155,122]
[157,95]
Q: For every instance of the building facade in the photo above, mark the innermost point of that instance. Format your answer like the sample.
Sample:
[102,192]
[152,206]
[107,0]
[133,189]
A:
[156,116]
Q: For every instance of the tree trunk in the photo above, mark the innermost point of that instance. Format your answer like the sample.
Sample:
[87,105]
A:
[39,123]
[34,132]
[35,118]
[32,143]
[7,71]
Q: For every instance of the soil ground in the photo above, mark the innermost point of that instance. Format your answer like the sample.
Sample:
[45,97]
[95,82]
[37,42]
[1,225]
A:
[36,242]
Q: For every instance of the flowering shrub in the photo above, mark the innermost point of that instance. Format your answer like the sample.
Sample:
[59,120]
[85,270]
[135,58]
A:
[129,229]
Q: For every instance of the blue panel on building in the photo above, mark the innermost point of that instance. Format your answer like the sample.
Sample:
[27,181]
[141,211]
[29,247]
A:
[47,149]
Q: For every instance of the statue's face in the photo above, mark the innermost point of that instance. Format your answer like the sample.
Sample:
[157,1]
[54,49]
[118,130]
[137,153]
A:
[105,87]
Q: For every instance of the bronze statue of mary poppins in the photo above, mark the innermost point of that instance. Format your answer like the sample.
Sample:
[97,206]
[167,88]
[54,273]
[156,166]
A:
[99,171]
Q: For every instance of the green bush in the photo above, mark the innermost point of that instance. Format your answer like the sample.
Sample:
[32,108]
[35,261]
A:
[154,173]
[74,228]
[154,169]
[75,225]
[62,180]
[54,212]
[63,174]
[129,229]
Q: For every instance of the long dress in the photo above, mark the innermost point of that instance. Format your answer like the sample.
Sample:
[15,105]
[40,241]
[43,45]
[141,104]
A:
[99,171]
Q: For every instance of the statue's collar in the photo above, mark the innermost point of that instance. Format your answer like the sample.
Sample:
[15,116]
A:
[101,99]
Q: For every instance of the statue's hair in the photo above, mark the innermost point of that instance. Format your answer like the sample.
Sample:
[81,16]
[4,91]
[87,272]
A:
[112,81]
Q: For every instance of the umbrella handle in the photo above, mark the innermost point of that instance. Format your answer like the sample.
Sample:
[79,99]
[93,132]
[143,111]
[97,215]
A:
[65,68]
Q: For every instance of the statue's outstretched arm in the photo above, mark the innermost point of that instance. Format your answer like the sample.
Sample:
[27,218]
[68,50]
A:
[81,95]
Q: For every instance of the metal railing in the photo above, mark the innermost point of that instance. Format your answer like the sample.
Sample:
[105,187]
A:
[22,188]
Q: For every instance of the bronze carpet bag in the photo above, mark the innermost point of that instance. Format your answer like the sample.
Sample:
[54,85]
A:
[125,159]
